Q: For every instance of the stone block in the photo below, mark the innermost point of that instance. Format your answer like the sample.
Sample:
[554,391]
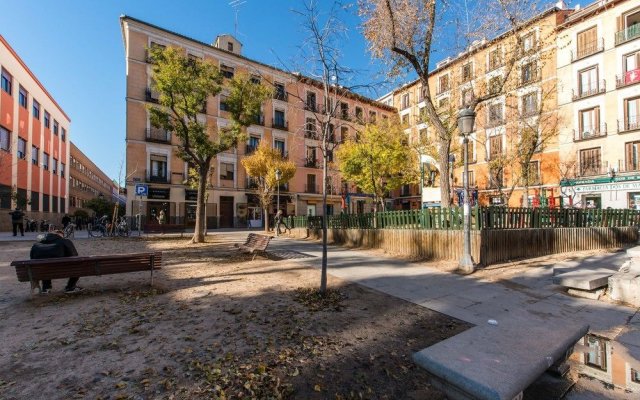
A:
[498,362]
[586,294]
[584,279]
[634,252]
[625,287]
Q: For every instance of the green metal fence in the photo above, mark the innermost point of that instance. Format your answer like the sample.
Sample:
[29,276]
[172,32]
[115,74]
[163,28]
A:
[481,218]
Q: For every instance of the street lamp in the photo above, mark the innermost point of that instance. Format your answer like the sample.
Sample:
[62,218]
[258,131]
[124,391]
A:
[278,177]
[466,119]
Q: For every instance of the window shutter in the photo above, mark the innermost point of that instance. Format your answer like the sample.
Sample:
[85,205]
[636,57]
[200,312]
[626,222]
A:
[619,23]
[596,111]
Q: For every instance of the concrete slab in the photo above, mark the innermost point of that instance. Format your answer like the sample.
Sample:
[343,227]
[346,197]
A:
[634,252]
[499,362]
[584,279]
[587,294]
[625,287]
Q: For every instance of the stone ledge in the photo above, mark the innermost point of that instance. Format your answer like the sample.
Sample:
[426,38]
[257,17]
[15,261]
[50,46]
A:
[587,279]
[498,362]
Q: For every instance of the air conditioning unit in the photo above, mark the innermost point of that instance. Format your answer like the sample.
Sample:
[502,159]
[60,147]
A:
[586,134]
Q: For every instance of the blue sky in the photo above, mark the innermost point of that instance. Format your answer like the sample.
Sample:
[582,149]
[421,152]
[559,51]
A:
[75,48]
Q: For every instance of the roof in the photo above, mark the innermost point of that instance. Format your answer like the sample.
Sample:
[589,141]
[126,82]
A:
[33,76]
[588,11]
[229,53]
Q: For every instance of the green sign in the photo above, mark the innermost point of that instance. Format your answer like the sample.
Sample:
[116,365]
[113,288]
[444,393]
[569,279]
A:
[594,181]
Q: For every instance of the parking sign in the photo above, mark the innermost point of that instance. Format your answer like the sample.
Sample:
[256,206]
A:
[142,189]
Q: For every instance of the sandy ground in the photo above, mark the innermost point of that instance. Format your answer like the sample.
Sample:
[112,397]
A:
[215,325]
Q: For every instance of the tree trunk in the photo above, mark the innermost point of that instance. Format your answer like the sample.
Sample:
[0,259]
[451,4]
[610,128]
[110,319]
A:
[265,212]
[198,234]
[445,183]
[325,217]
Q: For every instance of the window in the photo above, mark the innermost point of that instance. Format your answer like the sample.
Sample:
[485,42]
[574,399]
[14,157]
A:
[423,134]
[372,117]
[344,134]
[226,71]
[443,83]
[495,114]
[597,354]
[223,103]
[635,376]
[530,104]
[226,171]
[5,139]
[311,184]
[22,148]
[471,151]
[6,81]
[254,142]
[590,161]
[23,97]
[405,120]
[255,79]
[631,62]
[311,101]
[311,160]
[422,114]
[443,104]
[34,155]
[587,42]
[467,97]
[359,114]
[631,114]
[55,166]
[45,202]
[230,46]
[495,146]
[632,155]
[405,101]
[311,128]
[495,59]
[158,164]
[529,42]
[62,169]
[534,173]
[589,122]
[628,26]
[344,111]
[422,93]
[56,127]
[472,179]
[279,93]
[47,119]
[36,109]
[63,136]
[496,180]
[588,81]
[278,119]
[45,161]
[467,72]
[280,146]
[494,84]
[529,72]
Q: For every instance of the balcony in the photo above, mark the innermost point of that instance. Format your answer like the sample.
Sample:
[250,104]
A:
[629,78]
[630,33]
[310,188]
[309,134]
[252,183]
[632,123]
[524,81]
[589,133]
[493,65]
[283,125]
[259,120]
[151,96]
[157,135]
[442,90]
[250,148]
[311,163]
[492,123]
[588,50]
[311,106]
[592,169]
[150,177]
[281,95]
[592,89]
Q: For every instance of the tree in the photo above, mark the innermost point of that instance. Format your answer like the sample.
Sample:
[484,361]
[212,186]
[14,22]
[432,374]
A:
[102,206]
[184,84]
[261,166]
[403,33]
[380,160]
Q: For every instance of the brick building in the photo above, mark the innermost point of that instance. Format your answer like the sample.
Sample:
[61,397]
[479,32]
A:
[34,143]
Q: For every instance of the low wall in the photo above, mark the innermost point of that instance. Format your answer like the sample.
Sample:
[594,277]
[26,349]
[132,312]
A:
[487,246]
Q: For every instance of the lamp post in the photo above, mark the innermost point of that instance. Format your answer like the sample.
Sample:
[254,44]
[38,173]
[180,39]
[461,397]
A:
[278,177]
[466,119]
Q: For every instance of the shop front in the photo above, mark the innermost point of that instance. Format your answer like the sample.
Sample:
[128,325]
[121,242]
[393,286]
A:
[157,201]
[605,192]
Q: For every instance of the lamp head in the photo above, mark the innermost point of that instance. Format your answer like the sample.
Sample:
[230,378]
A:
[278,174]
[466,120]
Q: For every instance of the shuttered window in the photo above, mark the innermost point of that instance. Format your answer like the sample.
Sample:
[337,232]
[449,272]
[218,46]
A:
[590,161]
[587,42]
[495,146]
[631,156]
[632,114]
[589,122]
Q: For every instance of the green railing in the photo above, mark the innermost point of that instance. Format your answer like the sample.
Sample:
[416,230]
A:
[629,33]
[481,218]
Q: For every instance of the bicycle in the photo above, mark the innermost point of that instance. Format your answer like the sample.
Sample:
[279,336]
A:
[69,230]
[98,229]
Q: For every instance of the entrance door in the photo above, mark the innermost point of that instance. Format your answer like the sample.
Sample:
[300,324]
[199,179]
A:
[226,212]
[311,210]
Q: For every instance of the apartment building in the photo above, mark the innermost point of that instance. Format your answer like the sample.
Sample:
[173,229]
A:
[528,98]
[34,143]
[287,123]
[87,181]
[599,71]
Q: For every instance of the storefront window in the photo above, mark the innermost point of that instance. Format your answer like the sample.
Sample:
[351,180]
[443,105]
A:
[634,200]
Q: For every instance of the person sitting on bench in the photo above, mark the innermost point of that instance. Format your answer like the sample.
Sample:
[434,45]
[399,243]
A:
[54,245]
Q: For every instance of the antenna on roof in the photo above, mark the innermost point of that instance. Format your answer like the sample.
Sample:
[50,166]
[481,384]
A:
[235,4]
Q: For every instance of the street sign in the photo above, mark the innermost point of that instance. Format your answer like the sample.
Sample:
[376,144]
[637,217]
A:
[141,189]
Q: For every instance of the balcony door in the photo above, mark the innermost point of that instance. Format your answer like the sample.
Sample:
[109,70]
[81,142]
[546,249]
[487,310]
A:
[588,81]
[631,114]
[590,160]
[589,122]
[158,168]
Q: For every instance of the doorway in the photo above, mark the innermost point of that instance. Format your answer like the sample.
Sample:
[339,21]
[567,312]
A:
[226,212]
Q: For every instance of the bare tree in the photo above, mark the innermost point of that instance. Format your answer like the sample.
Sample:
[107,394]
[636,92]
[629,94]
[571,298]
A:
[403,33]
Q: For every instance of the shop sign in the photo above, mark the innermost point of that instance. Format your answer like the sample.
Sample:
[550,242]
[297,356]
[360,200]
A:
[607,187]
[158,194]
[593,181]
[190,195]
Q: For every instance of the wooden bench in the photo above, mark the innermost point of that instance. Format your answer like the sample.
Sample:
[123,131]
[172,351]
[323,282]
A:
[68,267]
[164,228]
[254,244]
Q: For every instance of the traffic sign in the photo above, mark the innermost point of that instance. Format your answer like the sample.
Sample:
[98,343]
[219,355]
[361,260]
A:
[142,189]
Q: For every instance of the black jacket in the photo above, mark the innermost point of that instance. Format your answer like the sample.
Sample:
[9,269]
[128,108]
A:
[16,216]
[52,245]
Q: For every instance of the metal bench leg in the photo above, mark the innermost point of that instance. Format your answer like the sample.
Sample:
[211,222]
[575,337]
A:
[153,263]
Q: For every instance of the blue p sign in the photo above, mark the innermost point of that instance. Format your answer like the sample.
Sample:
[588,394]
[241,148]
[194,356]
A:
[141,189]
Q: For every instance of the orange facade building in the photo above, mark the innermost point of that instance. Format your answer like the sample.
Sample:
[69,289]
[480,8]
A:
[34,143]
[288,123]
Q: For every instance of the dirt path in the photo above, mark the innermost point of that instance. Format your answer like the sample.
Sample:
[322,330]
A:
[216,325]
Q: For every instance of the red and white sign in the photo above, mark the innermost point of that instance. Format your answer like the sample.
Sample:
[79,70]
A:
[632,76]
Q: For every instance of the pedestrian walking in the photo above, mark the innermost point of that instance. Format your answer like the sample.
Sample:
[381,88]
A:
[17,219]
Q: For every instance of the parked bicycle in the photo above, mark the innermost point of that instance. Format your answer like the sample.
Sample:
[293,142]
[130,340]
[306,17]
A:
[70,230]
[99,227]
